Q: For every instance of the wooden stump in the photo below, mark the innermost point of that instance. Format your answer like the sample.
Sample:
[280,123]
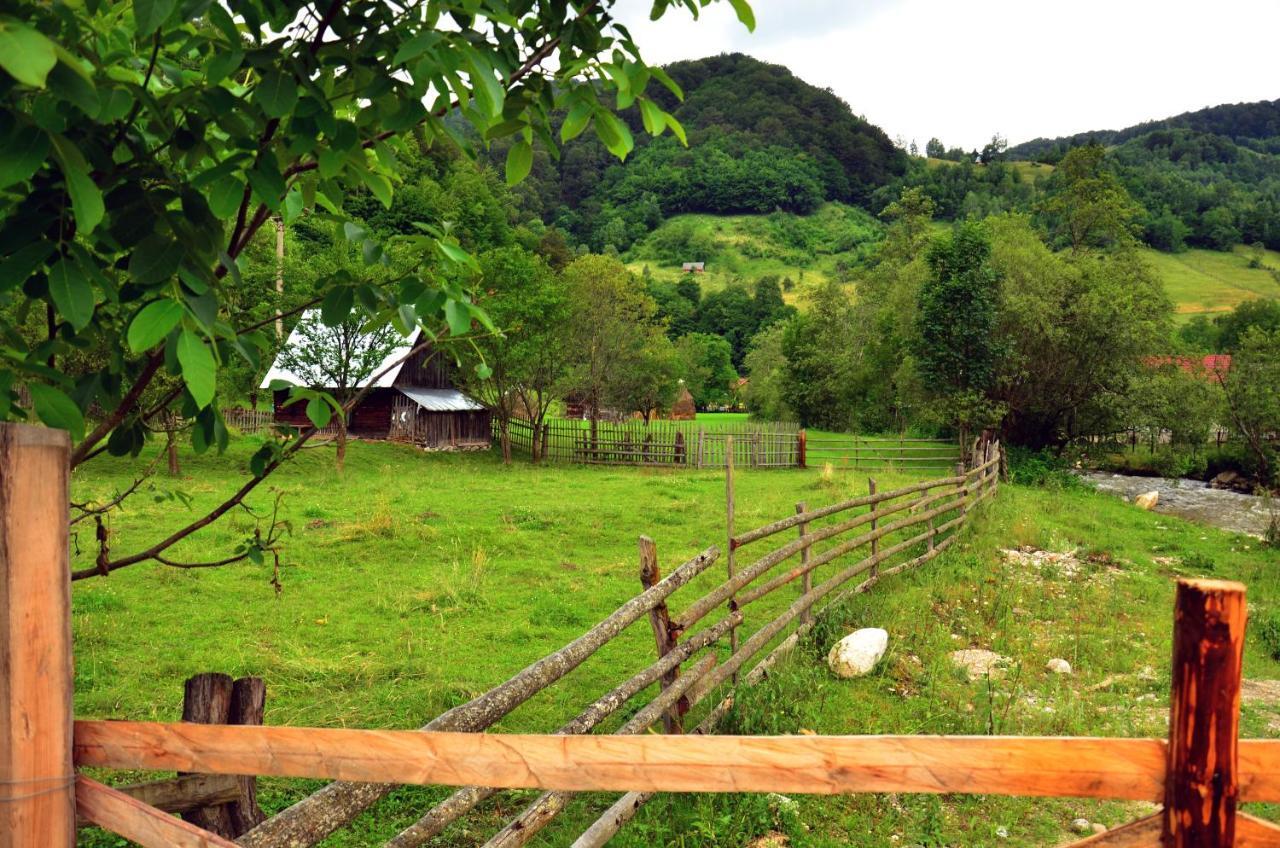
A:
[217,699]
[248,704]
[1201,789]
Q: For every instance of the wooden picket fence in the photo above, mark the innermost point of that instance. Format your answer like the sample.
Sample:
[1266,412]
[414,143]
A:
[861,453]
[1201,774]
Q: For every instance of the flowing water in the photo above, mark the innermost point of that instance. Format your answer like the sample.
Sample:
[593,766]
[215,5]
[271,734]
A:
[1193,500]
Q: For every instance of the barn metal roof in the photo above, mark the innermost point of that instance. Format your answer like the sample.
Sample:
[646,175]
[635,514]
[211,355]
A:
[440,400]
[391,365]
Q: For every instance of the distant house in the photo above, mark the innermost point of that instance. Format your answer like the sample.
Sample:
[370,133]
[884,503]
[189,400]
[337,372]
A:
[415,400]
[1213,366]
[693,267]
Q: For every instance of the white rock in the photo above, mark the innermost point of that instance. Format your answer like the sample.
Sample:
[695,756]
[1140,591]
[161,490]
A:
[1081,826]
[979,662]
[1058,666]
[1002,832]
[1147,500]
[858,653]
[1099,828]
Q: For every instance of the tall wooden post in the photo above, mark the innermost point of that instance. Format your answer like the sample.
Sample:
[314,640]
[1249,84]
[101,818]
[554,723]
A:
[37,794]
[728,501]
[1202,788]
[806,585]
[801,445]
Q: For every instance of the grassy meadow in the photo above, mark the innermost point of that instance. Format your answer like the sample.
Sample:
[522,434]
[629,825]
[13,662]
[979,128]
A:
[414,581]
[1211,281]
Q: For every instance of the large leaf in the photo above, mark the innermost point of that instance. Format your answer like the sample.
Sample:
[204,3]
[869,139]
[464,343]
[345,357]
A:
[155,259]
[748,17]
[277,94]
[199,371]
[337,305]
[519,161]
[319,412]
[148,15]
[614,134]
[25,54]
[152,324]
[86,198]
[22,150]
[71,292]
[55,409]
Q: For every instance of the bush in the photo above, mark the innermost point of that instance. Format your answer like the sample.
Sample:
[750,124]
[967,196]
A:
[1174,464]
[1039,468]
[1266,627]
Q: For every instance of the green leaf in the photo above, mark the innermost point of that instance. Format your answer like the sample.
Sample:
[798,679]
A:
[416,46]
[222,64]
[576,121]
[199,371]
[486,88]
[614,134]
[677,128]
[155,259]
[25,148]
[336,307]
[483,370]
[277,94]
[319,412]
[152,324]
[67,82]
[671,85]
[454,253]
[86,198]
[458,314]
[748,17]
[55,409]
[655,120]
[519,161]
[26,54]
[150,15]
[71,292]
[225,197]
[22,263]
[380,186]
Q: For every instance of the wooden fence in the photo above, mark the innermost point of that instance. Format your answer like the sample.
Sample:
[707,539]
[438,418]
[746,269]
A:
[752,445]
[1200,774]
[861,453]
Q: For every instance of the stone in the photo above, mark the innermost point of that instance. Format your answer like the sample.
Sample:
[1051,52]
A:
[1099,827]
[1232,481]
[1081,826]
[1002,832]
[1147,500]
[1058,666]
[858,653]
[979,662]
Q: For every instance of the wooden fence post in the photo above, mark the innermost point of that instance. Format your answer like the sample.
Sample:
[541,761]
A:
[807,585]
[728,498]
[801,439]
[1201,788]
[37,792]
[217,699]
[875,543]
[660,619]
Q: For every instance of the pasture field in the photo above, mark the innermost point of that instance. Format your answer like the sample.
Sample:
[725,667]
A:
[1211,281]
[415,581]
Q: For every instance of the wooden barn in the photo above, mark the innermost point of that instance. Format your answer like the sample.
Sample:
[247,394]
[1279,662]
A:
[415,401]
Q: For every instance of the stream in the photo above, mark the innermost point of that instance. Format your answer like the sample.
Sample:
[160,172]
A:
[1192,500]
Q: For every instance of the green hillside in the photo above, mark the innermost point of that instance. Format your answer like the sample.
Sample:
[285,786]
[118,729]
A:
[1209,281]
[805,249]
[831,243]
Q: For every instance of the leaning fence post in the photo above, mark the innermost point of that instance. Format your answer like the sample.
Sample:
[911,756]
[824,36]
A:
[1201,787]
[728,498]
[206,699]
[806,585]
[875,543]
[37,795]
[660,620]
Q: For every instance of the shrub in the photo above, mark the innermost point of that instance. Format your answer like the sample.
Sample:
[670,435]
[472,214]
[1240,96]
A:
[1039,468]
[1266,627]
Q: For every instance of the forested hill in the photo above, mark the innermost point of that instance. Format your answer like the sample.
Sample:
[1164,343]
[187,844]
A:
[760,139]
[1253,125]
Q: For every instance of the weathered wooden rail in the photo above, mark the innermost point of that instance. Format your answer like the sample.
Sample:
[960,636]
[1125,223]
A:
[1201,773]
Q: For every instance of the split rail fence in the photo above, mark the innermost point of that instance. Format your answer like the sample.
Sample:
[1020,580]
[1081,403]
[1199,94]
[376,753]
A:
[752,444]
[1200,774]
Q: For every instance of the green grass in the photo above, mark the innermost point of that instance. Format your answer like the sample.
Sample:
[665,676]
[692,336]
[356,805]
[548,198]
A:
[416,581]
[1211,281]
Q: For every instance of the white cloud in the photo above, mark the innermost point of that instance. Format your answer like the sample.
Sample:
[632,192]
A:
[1023,68]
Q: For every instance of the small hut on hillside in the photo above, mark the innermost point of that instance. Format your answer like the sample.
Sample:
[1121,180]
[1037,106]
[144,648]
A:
[415,400]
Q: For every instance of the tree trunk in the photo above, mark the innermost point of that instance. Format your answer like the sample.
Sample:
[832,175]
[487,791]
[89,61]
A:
[342,443]
[535,441]
[504,437]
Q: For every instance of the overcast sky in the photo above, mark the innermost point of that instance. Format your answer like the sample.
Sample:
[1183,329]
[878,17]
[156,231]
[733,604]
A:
[1022,68]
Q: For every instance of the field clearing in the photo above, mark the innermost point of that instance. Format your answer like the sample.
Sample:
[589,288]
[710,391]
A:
[418,580]
[1210,281]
